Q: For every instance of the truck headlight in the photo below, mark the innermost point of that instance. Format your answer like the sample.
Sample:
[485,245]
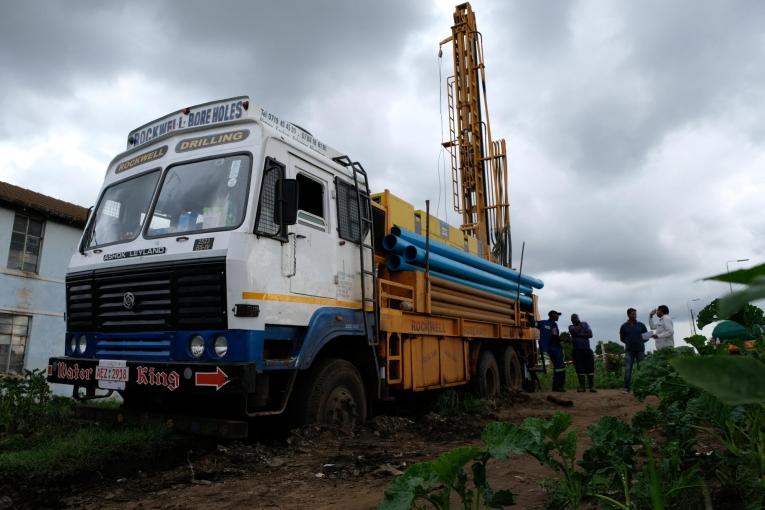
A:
[220,346]
[197,346]
[72,344]
[82,344]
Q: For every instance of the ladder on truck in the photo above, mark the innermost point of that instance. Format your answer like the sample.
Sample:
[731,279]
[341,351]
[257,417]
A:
[366,250]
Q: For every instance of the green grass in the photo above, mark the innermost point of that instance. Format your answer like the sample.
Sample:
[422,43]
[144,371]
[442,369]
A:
[69,452]
[603,379]
[457,403]
[40,442]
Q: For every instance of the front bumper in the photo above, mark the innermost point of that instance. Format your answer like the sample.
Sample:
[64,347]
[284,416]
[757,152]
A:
[201,378]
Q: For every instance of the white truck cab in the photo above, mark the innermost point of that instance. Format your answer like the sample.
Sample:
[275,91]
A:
[222,255]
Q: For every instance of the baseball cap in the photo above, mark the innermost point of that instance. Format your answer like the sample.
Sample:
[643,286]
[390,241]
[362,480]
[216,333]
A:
[553,312]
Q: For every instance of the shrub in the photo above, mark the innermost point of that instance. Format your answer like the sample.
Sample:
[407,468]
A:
[27,404]
[435,482]
[603,378]
[613,363]
[456,403]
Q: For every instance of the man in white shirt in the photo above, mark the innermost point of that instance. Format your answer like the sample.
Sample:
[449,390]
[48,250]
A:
[663,330]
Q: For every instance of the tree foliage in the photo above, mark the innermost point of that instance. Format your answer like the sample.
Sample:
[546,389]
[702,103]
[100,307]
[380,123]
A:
[753,278]
[609,347]
[748,315]
[565,342]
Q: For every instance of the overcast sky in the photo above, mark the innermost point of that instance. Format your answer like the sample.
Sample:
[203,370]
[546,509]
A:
[636,130]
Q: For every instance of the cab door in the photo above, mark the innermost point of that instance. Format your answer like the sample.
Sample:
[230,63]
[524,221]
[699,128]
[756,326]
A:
[314,239]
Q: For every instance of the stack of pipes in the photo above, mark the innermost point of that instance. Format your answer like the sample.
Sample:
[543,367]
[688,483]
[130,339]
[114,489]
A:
[461,284]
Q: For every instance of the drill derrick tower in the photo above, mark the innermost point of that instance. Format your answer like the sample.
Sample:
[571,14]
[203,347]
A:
[479,163]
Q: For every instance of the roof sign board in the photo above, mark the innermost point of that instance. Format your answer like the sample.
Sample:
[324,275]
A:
[207,114]
[224,112]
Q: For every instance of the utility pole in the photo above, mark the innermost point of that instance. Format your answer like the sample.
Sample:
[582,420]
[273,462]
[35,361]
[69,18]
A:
[690,311]
[727,270]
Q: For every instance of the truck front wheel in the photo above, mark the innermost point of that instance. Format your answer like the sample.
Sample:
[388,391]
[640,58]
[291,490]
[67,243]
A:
[332,393]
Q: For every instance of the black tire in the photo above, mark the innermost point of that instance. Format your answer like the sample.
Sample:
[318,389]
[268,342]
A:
[331,393]
[510,370]
[486,383]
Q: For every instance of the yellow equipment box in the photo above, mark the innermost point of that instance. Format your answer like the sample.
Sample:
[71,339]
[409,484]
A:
[403,214]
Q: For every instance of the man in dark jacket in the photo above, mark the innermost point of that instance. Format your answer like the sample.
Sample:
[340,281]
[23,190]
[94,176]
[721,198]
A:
[549,342]
[631,335]
[584,359]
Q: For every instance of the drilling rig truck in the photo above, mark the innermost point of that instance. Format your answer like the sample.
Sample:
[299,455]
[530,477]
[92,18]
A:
[237,266]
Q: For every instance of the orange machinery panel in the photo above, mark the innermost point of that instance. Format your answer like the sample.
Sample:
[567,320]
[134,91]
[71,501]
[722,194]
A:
[434,362]
[453,361]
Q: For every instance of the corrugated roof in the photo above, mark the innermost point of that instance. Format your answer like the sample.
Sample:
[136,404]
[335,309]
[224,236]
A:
[24,199]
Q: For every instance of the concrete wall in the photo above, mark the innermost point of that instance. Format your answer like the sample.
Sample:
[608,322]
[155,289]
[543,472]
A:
[42,295]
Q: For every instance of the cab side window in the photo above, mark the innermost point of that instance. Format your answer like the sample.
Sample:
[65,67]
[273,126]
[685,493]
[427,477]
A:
[265,221]
[311,203]
[348,225]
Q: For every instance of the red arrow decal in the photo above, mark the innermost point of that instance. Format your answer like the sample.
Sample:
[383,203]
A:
[218,378]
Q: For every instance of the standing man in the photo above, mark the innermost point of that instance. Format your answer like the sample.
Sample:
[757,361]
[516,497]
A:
[663,329]
[631,335]
[584,358]
[549,342]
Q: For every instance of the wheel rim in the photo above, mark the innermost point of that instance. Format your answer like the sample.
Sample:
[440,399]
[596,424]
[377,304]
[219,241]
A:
[340,408]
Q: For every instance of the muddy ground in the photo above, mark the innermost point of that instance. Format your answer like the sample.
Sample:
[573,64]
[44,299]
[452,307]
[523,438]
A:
[323,468]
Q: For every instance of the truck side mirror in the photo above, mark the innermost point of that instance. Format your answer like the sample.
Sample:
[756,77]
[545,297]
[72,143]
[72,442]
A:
[286,202]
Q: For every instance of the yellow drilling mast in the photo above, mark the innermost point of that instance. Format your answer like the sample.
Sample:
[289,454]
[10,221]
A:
[479,163]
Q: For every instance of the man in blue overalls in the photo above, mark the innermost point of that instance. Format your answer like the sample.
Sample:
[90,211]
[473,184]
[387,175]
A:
[549,342]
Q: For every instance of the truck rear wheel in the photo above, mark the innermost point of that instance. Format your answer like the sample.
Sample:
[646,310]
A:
[486,383]
[510,370]
[332,393]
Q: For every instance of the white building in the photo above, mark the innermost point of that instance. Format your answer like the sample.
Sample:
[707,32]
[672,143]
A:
[38,235]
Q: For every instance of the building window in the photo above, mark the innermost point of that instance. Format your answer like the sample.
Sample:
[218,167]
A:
[14,330]
[26,243]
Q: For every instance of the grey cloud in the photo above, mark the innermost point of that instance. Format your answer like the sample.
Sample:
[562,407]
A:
[288,49]
[597,88]
[538,29]
[47,46]
[660,66]
[281,52]
[610,248]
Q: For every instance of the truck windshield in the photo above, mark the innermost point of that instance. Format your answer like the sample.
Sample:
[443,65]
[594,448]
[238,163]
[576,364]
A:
[202,195]
[121,211]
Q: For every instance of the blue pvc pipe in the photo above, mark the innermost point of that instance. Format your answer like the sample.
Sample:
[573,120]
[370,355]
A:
[466,258]
[394,244]
[416,256]
[397,263]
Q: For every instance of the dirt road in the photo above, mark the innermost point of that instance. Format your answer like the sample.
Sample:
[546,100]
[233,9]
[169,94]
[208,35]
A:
[320,468]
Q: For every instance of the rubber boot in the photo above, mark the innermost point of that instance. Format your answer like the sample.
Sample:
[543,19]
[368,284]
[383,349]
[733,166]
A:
[580,389]
[591,383]
[559,380]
